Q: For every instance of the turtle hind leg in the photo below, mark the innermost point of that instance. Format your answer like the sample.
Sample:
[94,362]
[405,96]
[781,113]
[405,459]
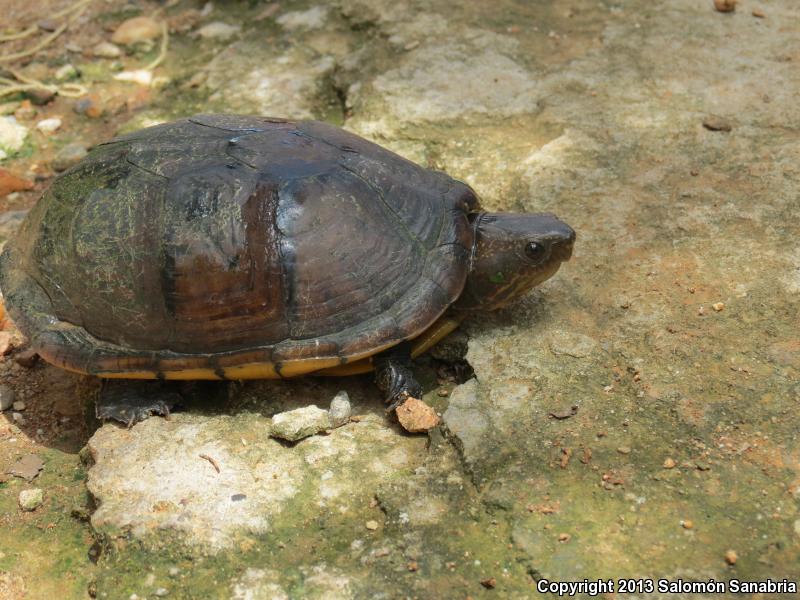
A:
[394,377]
[130,401]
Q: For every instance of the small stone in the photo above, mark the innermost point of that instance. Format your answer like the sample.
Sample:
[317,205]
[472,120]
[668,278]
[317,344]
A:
[12,134]
[107,50]
[718,306]
[624,450]
[30,500]
[49,125]
[40,96]
[66,72]
[372,525]
[340,409]
[136,29]
[89,106]
[563,537]
[27,467]
[489,583]
[687,524]
[300,423]
[758,13]
[415,416]
[713,123]
[442,393]
[10,183]
[6,397]
[18,419]
[6,345]
[19,405]
[725,6]
[731,557]
[218,31]
[68,156]
[669,463]
[701,311]
[161,592]
[27,358]
[413,566]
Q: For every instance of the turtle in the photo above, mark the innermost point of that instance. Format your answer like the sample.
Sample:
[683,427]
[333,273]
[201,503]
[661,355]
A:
[232,247]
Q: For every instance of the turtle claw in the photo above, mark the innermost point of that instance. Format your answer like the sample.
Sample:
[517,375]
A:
[129,403]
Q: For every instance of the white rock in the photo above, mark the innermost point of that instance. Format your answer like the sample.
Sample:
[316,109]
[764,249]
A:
[340,409]
[107,50]
[19,405]
[6,397]
[31,499]
[294,425]
[66,72]
[313,18]
[49,125]
[12,134]
[18,419]
[218,30]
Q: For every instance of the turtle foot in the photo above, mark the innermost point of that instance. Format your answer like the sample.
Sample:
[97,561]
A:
[130,402]
[394,377]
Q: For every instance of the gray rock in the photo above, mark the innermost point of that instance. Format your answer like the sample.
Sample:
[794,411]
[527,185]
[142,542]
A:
[571,344]
[19,405]
[6,397]
[107,50]
[18,419]
[218,31]
[340,409]
[30,500]
[300,423]
[10,222]
[466,420]
[68,156]
[313,18]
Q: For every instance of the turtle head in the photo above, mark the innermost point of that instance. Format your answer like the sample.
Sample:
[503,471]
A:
[511,253]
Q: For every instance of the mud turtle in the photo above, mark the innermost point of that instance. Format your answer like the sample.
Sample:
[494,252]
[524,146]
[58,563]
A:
[235,247]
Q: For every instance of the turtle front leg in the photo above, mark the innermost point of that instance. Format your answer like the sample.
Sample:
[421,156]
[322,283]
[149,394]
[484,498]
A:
[393,376]
[129,401]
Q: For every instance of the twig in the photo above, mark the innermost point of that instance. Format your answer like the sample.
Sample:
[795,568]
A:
[79,7]
[162,50]
[212,461]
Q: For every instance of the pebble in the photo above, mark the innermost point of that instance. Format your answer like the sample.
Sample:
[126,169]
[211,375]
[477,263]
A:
[669,463]
[161,592]
[563,537]
[107,50]
[416,417]
[725,6]
[624,450]
[49,125]
[6,397]
[12,134]
[137,29]
[489,583]
[30,500]
[19,405]
[718,306]
[731,557]
[89,106]
[18,419]
[372,525]
[758,13]
[340,409]
[68,156]
[713,123]
[300,423]
[40,96]
[218,31]
[6,344]
[687,524]
[66,72]
[10,183]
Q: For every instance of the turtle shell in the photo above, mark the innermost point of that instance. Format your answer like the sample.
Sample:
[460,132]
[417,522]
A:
[226,246]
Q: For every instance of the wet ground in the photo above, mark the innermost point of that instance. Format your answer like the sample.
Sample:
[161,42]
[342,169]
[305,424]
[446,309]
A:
[634,417]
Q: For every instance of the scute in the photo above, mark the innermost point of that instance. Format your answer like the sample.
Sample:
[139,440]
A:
[229,244]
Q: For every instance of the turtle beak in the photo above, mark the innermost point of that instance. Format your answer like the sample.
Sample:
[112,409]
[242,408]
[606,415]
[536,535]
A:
[565,242]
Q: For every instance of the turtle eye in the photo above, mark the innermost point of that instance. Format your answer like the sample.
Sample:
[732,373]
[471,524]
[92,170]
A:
[535,251]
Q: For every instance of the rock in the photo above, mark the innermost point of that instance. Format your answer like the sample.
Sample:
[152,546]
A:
[49,125]
[416,416]
[340,410]
[725,6]
[218,31]
[19,405]
[713,123]
[136,29]
[66,72]
[313,18]
[89,106]
[283,485]
[40,96]
[572,344]
[300,423]
[6,397]
[10,222]
[18,419]
[372,525]
[10,183]
[465,419]
[6,345]
[27,467]
[107,50]
[12,135]
[68,156]
[30,500]
[26,358]
[258,584]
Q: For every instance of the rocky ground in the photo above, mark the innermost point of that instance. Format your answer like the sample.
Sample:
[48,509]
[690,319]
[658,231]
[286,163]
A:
[634,417]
